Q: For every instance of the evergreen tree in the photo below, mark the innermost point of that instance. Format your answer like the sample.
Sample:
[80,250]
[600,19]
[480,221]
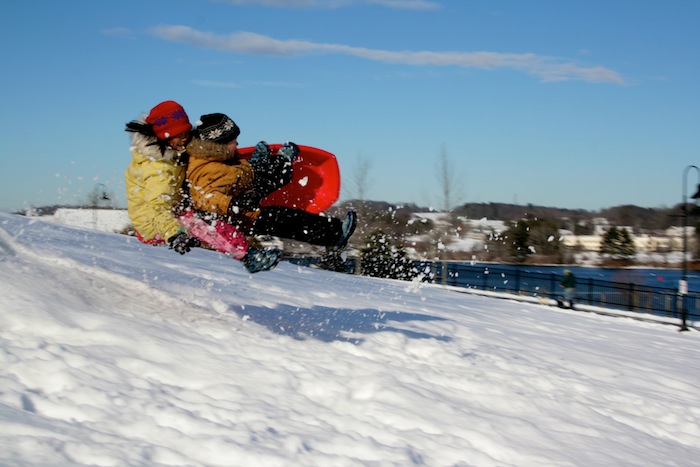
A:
[609,241]
[520,235]
[617,243]
[544,237]
[608,245]
[627,248]
[382,259]
[533,237]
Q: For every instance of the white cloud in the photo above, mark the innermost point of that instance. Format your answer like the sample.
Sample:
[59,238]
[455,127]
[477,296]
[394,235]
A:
[397,4]
[548,69]
[406,4]
[230,85]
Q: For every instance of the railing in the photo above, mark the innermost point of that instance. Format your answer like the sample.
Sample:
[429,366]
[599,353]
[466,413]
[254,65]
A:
[658,301]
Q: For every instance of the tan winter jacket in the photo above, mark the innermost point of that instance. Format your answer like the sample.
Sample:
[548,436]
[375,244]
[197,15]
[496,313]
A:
[215,176]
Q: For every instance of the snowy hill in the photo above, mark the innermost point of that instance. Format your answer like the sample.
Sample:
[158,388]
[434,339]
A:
[106,220]
[116,353]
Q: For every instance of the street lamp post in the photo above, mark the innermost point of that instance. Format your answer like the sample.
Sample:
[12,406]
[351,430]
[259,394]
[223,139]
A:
[683,285]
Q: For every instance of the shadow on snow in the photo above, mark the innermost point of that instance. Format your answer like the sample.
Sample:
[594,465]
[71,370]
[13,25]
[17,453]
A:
[333,324]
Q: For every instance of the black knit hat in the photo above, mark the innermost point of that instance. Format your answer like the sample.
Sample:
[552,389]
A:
[218,128]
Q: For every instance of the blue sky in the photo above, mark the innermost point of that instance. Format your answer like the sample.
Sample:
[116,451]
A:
[576,104]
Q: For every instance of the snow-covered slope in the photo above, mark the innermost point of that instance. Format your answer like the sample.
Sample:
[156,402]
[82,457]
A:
[106,220]
[117,353]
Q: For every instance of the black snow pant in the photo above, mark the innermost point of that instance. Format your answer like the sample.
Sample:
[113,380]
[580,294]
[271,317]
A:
[297,224]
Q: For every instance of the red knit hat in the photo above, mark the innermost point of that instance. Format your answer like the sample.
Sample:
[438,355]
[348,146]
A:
[168,119]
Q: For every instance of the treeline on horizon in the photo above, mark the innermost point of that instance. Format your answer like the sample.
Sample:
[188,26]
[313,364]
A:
[637,217]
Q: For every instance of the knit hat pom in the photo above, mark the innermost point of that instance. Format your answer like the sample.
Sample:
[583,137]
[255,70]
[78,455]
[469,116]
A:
[168,119]
[217,128]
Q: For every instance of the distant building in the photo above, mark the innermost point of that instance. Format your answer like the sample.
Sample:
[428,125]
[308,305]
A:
[669,240]
[582,242]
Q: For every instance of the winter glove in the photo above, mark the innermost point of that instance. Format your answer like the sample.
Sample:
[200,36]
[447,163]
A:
[248,202]
[182,243]
[289,151]
[270,174]
[261,152]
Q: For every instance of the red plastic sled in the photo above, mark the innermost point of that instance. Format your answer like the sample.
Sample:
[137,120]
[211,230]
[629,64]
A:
[315,184]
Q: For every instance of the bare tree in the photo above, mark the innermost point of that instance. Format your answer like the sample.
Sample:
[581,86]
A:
[359,179]
[447,178]
[360,182]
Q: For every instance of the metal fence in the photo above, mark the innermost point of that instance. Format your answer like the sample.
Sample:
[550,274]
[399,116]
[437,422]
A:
[658,301]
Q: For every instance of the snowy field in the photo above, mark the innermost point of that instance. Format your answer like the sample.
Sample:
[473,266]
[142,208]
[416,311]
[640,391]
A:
[106,220]
[115,353]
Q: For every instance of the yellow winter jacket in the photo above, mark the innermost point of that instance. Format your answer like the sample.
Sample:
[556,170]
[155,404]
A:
[153,189]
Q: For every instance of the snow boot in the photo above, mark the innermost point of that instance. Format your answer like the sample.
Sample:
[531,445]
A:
[332,259]
[348,228]
[256,260]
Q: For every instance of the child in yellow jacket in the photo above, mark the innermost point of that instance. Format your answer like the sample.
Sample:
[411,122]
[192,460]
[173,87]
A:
[155,197]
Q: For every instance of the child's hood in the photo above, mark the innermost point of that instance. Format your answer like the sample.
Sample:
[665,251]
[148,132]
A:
[209,151]
[147,147]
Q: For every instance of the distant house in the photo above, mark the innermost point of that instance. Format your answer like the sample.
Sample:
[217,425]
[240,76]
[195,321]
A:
[582,242]
[669,240]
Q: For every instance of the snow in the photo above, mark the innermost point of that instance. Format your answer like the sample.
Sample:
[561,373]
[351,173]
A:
[107,220]
[116,353]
